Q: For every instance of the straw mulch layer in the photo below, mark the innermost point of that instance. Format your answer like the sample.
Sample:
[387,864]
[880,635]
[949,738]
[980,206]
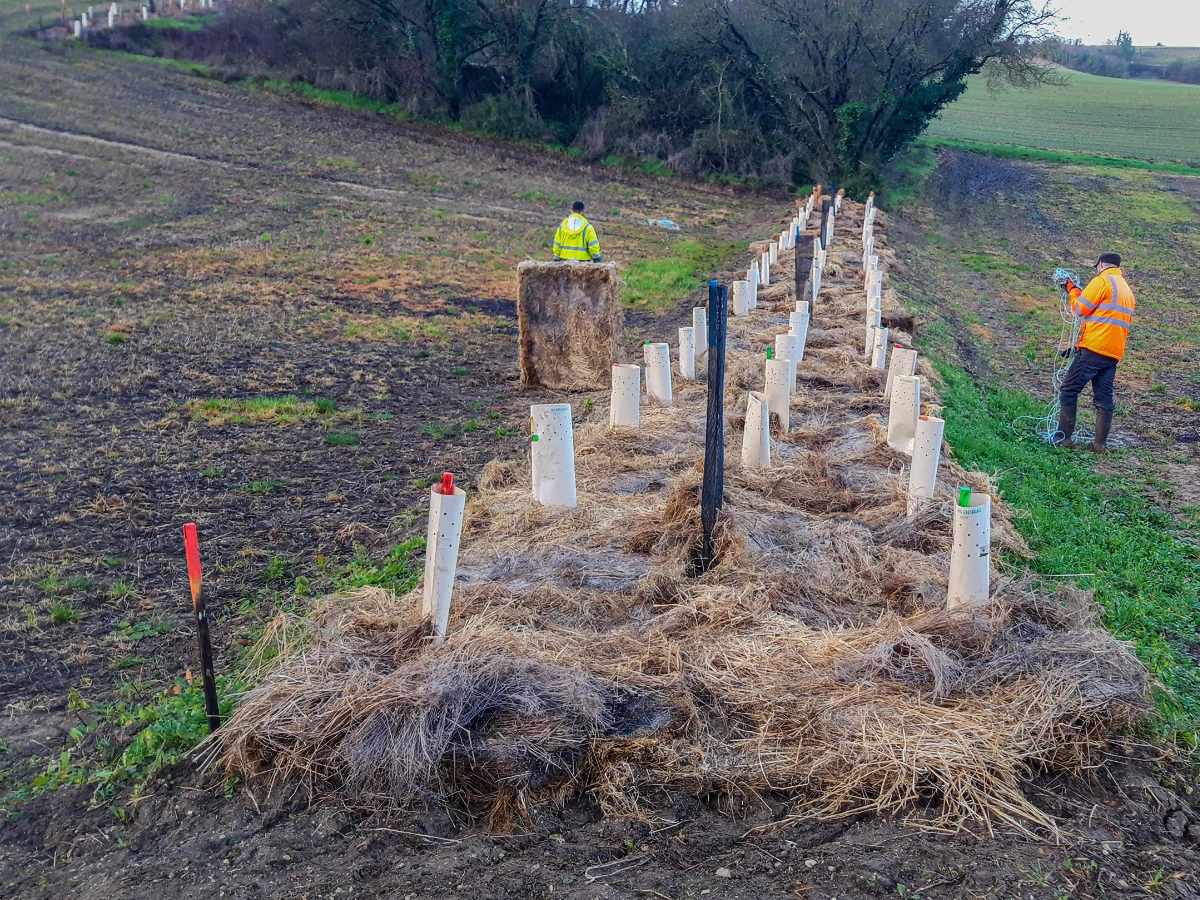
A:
[815,659]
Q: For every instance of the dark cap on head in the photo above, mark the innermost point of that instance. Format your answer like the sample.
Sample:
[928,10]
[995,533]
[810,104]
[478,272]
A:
[1109,259]
[577,206]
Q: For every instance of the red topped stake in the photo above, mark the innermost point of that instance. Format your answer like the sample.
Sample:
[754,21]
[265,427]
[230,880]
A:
[191,549]
[448,483]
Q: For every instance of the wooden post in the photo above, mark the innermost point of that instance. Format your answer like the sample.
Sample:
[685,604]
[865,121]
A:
[805,250]
[714,435]
[826,206]
[191,544]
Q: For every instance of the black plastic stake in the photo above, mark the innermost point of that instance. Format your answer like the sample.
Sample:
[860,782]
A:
[805,248]
[714,433]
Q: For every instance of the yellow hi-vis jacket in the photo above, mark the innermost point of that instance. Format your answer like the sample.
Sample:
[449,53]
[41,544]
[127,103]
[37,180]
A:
[1106,306]
[576,239]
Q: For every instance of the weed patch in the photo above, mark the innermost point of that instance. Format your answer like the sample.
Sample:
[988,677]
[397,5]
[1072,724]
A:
[287,410]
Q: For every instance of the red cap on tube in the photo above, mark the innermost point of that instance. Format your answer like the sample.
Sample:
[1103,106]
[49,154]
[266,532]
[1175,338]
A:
[447,483]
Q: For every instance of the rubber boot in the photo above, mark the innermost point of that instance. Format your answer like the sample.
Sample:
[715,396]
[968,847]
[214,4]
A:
[1103,426]
[1066,424]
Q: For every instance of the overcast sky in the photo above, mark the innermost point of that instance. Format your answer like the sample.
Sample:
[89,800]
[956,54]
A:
[1175,23]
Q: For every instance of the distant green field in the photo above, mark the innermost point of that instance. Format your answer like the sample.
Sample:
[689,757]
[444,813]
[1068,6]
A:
[1154,120]
[1161,55]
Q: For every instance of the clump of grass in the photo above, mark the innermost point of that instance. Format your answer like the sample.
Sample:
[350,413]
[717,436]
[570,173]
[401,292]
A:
[64,614]
[52,583]
[265,486]
[115,337]
[119,590]
[341,439]
[438,431]
[286,410]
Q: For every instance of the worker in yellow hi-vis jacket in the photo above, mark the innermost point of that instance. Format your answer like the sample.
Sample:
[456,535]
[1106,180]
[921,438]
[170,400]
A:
[576,238]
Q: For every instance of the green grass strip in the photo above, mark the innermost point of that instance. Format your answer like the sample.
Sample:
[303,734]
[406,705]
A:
[660,282]
[1031,154]
[1146,576]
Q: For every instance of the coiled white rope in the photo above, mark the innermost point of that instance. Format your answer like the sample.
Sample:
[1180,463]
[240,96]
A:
[1046,425]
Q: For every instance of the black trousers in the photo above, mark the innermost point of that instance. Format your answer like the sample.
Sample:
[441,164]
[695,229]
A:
[1097,368]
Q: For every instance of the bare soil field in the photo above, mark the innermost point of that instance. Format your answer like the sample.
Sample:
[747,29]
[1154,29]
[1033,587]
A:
[178,255]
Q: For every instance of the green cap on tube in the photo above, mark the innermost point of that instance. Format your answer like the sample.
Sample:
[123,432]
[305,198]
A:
[964,496]
[770,353]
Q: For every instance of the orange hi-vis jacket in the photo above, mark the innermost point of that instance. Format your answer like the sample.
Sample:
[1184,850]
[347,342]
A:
[1106,306]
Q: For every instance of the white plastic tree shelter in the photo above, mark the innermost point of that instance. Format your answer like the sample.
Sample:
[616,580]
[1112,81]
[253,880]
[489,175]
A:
[790,346]
[903,362]
[869,342]
[112,17]
[874,314]
[441,556]
[764,268]
[741,297]
[903,413]
[700,329]
[773,252]
[880,353]
[752,274]
[145,13]
[971,553]
[78,28]
[756,440]
[552,447]
[687,352]
[658,372]
[802,307]
[798,328]
[625,410]
[781,375]
[83,19]
[926,456]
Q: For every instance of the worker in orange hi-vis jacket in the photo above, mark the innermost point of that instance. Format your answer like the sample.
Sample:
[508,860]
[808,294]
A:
[1106,306]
